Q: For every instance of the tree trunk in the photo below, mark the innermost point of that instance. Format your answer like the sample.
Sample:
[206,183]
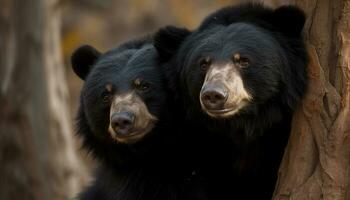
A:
[37,155]
[316,164]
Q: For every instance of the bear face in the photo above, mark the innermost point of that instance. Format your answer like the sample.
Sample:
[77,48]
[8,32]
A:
[242,62]
[123,95]
[233,76]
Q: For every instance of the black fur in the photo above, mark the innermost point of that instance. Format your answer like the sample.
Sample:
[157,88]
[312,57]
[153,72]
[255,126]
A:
[161,165]
[277,79]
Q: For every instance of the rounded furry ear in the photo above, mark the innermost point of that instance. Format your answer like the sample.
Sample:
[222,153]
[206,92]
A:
[167,40]
[83,59]
[290,20]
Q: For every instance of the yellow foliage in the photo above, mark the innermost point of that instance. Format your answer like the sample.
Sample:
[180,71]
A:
[69,41]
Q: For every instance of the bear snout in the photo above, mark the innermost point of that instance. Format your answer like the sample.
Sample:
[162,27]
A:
[122,122]
[213,97]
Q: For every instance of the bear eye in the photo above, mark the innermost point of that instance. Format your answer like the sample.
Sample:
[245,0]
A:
[244,62]
[204,63]
[141,85]
[241,61]
[144,87]
[106,96]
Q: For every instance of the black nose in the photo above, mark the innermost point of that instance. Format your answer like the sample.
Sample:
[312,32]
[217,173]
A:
[213,97]
[122,122]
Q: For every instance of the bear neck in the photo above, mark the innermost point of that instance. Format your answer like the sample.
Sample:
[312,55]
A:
[246,127]
[157,149]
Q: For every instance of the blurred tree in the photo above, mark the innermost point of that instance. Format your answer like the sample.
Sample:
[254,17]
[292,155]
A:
[37,155]
[316,164]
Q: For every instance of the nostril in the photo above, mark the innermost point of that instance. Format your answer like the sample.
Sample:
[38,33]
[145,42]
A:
[206,97]
[218,97]
[115,124]
[126,122]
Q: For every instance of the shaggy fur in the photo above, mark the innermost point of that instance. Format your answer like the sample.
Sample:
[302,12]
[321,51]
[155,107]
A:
[253,140]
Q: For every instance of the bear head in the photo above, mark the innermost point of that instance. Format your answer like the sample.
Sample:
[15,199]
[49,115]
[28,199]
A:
[242,60]
[123,96]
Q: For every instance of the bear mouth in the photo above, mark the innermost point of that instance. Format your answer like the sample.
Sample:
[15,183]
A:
[132,137]
[226,112]
[223,113]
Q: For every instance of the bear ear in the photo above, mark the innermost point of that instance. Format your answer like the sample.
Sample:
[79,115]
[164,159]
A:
[83,59]
[167,40]
[289,19]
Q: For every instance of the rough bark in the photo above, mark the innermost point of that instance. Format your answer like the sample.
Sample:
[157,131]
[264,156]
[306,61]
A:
[37,155]
[316,164]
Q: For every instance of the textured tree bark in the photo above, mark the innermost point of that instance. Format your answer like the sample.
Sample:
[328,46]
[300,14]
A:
[37,155]
[316,164]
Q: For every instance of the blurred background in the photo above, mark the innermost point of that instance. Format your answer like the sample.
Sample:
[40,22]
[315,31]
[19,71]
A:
[40,157]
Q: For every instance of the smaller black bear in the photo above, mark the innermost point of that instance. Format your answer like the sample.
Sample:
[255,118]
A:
[128,120]
[242,73]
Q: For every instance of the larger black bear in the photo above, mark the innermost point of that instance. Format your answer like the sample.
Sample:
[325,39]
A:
[242,73]
[129,121]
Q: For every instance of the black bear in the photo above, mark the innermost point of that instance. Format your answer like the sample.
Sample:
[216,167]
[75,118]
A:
[129,121]
[241,73]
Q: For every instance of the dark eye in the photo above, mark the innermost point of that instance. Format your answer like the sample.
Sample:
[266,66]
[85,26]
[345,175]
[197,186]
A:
[242,62]
[204,63]
[142,85]
[106,97]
